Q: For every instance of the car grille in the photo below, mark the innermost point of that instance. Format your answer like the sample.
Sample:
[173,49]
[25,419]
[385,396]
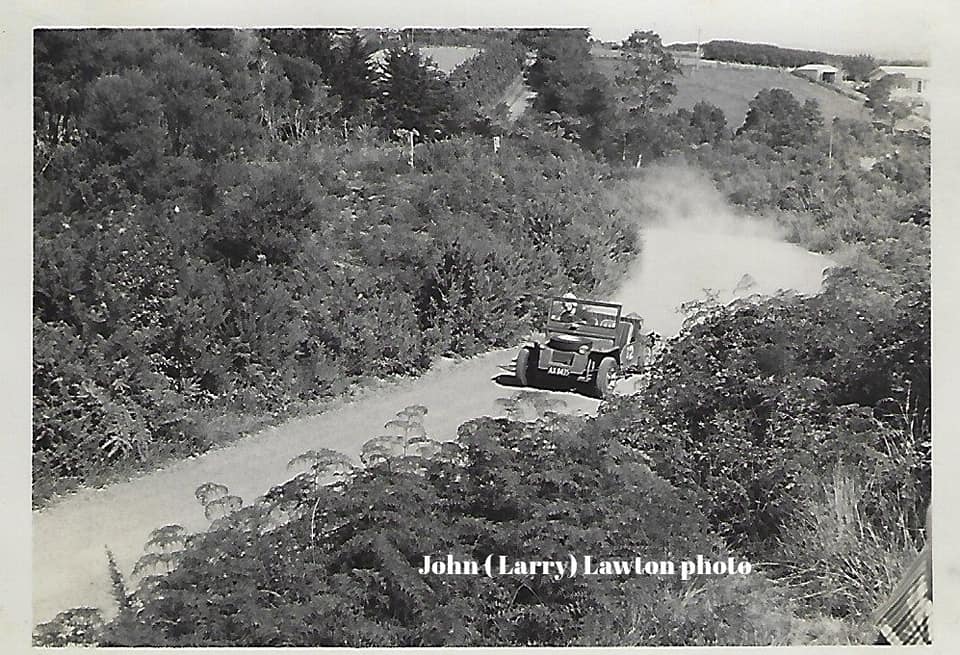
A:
[563,358]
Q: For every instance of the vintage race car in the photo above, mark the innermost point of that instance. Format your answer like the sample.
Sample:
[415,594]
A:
[587,342]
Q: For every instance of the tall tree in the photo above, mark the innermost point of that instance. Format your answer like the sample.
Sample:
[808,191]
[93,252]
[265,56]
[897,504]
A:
[598,109]
[413,94]
[315,45]
[646,75]
[644,85]
[353,76]
[561,73]
[572,95]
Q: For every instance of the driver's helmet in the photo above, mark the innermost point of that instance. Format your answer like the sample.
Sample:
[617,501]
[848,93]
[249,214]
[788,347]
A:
[570,304]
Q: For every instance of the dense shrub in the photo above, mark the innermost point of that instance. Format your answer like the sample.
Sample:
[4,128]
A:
[777,119]
[758,408]
[342,571]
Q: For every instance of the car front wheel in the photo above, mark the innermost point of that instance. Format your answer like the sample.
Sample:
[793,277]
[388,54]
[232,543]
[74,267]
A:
[606,373]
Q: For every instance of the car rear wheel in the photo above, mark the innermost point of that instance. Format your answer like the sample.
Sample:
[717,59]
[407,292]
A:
[606,373]
[524,372]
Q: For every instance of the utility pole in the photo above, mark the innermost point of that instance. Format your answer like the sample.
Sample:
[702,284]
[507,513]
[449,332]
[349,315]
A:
[697,64]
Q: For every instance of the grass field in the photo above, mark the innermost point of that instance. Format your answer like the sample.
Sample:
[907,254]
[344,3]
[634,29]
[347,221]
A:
[448,57]
[731,88]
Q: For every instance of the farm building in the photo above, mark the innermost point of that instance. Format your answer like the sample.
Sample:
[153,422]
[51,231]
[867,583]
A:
[820,73]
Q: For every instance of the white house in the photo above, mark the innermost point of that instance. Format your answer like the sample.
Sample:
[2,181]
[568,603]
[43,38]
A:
[911,85]
[914,84]
[820,73]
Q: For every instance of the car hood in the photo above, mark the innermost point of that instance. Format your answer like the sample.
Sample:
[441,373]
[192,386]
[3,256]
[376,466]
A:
[573,342]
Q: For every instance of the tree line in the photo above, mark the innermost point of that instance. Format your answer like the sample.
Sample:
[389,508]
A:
[857,67]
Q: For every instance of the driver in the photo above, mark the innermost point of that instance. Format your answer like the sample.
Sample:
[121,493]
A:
[573,312]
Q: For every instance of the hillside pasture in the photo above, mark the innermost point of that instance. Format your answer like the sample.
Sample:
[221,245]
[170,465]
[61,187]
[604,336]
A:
[732,87]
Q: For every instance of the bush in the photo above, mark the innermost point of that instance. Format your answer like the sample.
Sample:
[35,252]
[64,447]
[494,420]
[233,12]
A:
[342,571]
[282,279]
[757,408]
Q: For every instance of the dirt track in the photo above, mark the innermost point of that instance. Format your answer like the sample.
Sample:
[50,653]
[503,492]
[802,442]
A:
[69,537]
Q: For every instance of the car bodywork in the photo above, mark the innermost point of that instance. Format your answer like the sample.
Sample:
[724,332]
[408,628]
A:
[586,341]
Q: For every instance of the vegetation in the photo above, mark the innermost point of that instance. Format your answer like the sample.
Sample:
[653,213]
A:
[336,565]
[885,109]
[413,96]
[731,89]
[822,404]
[484,77]
[647,77]
[777,120]
[615,113]
[793,431]
[783,413]
[571,94]
[856,67]
[208,239]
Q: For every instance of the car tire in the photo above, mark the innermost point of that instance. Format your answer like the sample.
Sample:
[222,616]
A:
[524,371]
[603,384]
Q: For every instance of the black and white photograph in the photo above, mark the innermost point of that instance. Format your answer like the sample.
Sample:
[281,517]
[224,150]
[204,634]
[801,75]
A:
[406,331]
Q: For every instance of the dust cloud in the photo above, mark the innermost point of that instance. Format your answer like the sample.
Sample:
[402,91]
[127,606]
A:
[697,246]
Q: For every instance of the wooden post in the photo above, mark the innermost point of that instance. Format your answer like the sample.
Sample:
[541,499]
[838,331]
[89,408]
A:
[830,151]
[411,149]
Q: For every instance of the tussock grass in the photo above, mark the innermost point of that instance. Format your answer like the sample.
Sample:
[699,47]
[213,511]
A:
[836,559]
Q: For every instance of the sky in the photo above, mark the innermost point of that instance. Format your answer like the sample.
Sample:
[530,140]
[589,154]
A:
[896,29]
[884,28]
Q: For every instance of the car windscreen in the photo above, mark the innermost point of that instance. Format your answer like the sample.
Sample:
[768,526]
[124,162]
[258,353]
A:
[583,313]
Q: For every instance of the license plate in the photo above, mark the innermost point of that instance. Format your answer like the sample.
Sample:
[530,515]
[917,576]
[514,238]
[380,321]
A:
[558,370]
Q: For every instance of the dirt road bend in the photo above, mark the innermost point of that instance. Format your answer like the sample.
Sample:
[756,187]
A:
[69,563]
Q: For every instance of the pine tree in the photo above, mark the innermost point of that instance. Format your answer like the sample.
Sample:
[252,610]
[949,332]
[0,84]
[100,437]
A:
[646,79]
[353,76]
[573,96]
[413,95]
[644,85]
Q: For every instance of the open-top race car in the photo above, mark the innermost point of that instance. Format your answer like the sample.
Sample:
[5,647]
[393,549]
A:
[586,341]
